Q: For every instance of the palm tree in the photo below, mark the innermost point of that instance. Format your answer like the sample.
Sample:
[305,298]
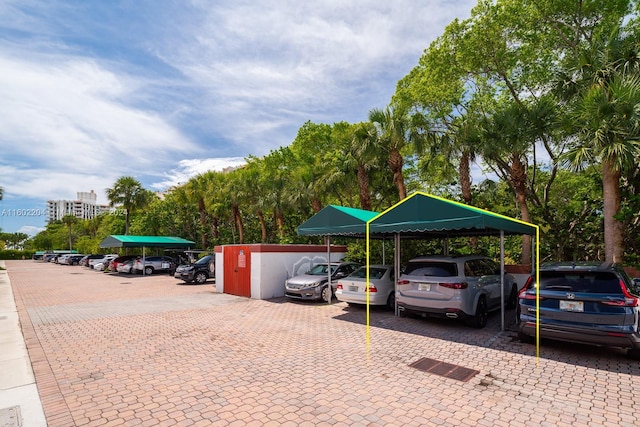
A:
[196,188]
[395,132]
[254,189]
[129,193]
[604,94]
[69,221]
[505,147]
[359,153]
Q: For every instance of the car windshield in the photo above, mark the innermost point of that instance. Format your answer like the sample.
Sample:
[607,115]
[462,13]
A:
[203,260]
[374,272]
[431,268]
[321,269]
[575,281]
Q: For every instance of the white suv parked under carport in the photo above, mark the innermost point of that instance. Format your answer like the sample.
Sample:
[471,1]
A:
[465,287]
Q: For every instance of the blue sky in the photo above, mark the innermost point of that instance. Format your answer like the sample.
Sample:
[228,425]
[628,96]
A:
[163,90]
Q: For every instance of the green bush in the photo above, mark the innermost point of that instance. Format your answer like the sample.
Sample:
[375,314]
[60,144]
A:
[16,254]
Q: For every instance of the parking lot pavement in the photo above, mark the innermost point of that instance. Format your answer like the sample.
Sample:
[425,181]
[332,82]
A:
[129,350]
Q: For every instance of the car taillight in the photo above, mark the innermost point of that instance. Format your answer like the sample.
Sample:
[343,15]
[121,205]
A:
[339,286]
[403,282]
[373,289]
[460,285]
[522,293]
[628,301]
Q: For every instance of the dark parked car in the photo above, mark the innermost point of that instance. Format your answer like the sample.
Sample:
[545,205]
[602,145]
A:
[590,303]
[199,271]
[75,259]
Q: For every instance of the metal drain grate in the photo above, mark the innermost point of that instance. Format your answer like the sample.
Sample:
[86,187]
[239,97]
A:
[10,417]
[444,369]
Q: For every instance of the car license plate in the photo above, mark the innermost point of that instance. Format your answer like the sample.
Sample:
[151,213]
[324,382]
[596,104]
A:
[165,265]
[353,289]
[424,286]
[571,305]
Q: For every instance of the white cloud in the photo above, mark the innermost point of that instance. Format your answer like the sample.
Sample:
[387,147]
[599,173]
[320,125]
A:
[297,61]
[192,167]
[71,115]
[30,230]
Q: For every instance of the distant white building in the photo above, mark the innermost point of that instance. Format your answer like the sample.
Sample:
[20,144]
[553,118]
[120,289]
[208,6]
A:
[84,207]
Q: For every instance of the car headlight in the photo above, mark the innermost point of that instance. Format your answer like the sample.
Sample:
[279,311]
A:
[315,285]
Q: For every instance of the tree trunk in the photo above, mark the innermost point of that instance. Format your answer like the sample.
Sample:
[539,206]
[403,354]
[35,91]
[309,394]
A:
[126,222]
[395,164]
[363,185]
[464,171]
[519,181]
[215,233]
[203,222]
[238,221]
[263,226]
[465,177]
[613,232]
[316,205]
[280,222]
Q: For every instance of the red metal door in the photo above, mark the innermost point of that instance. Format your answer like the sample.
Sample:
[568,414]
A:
[237,271]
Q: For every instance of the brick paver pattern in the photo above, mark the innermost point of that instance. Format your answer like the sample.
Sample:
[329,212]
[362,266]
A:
[119,350]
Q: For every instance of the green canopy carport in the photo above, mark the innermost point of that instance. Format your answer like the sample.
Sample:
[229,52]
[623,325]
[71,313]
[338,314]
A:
[335,220]
[418,215]
[422,214]
[127,241]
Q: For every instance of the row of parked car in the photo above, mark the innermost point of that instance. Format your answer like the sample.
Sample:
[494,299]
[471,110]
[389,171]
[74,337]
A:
[122,264]
[191,272]
[590,302]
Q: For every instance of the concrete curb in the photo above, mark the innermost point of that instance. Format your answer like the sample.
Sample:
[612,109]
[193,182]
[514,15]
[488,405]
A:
[20,403]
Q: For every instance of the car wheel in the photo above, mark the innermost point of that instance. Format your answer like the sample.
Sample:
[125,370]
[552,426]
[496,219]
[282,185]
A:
[148,270]
[325,293]
[524,338]
[391,301]
[200,278]
[512,302]
[633,353]
[479,320]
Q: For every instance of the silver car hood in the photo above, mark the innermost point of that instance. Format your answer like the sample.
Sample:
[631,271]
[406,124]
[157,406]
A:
[306,279]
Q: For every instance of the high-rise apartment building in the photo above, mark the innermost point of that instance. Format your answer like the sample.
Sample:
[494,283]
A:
[84,207]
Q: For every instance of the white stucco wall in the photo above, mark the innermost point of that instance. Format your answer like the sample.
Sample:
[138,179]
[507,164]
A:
[269,269]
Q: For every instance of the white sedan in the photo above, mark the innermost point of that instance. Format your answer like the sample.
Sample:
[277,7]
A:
[352,289]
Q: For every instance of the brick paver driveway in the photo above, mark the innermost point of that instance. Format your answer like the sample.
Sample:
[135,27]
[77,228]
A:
[131,350]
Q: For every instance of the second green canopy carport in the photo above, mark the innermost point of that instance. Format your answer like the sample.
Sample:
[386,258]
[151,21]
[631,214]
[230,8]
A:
[335,220]
[127,241]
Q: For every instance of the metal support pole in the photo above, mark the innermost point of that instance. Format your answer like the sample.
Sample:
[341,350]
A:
[329,269]
[396,267]
[502,277]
